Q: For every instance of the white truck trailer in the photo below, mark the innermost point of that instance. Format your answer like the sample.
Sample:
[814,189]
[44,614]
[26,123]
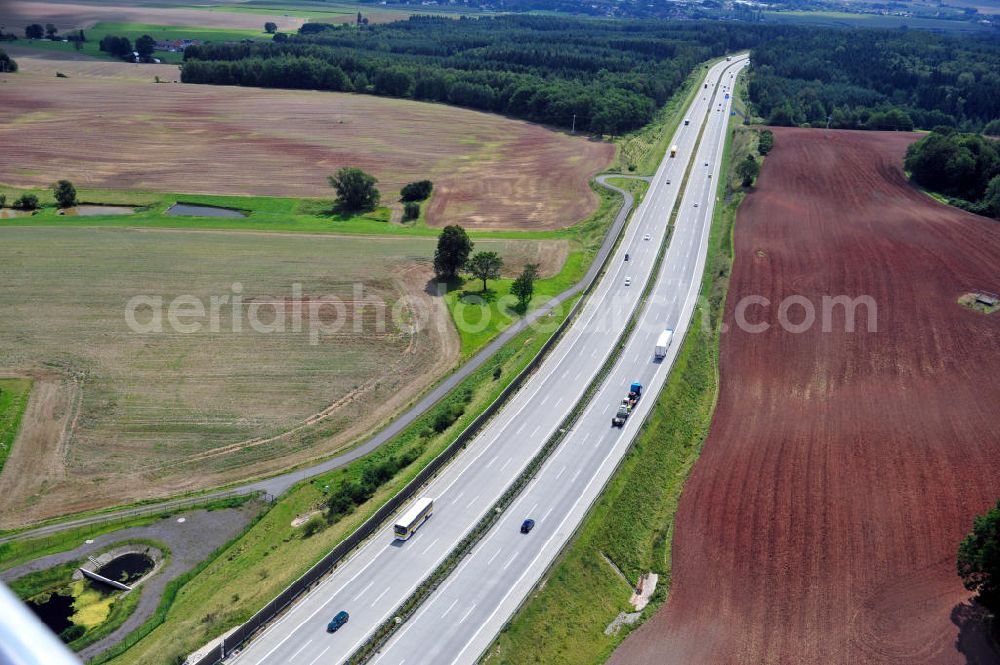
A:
[663,343]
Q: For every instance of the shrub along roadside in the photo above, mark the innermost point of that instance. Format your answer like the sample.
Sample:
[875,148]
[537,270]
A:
[563,621]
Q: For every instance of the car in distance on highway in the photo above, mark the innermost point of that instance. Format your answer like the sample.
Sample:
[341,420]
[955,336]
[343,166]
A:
[695,204]
[527,525]
[628,281]
[646,237]
[337,621]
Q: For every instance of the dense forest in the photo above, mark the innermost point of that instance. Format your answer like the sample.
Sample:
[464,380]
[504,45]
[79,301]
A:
[963,167]
[610,76]
[877,79]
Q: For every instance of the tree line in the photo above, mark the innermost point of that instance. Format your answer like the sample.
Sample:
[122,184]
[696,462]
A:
[963,167]
[876,79]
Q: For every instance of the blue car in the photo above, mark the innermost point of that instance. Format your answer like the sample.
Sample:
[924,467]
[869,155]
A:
[527,525]
[337,622]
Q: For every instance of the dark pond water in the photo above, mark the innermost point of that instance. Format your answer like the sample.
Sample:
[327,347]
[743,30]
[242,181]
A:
[127,568]
[55,612]
[188,210]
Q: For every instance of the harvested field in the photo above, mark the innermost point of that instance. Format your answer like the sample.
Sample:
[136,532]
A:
[821,523]
[119,414]
[71,15]
[489,172]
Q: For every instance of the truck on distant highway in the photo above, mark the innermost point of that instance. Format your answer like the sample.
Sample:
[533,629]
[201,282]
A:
[625,408]
[687,121]
[663,343]
[673,151]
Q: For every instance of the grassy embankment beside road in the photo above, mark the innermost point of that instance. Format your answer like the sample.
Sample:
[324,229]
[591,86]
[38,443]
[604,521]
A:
[631,524]
[13,401]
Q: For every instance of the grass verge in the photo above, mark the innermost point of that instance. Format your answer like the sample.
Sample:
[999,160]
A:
[564,619]
[13,401]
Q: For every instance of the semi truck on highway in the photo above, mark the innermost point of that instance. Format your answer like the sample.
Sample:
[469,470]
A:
[663,343]
[673,151]
[625,408]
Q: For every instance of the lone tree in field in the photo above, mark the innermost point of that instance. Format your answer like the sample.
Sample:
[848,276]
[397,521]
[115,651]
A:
[416,191]
[979,559]
[523,287]
[65,193]
[484,266]
[7,63]
[452,252]
[34,31]
[748,170]
[51,30]
[356,189]
[270,27]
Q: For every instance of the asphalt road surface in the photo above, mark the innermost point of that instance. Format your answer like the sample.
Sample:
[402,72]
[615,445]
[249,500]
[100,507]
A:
[463,616]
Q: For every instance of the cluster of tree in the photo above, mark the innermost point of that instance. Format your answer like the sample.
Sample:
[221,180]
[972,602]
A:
[411,195]
[601,77]
[454,255]
[36,31]
[876,79]
[979,561]
[748,169]
[25,202]
[121,47]
[964,167]
[765,142]
[352,493]
[7,63]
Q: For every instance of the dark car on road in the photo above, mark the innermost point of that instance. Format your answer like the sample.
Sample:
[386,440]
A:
[527,525]
[337,622]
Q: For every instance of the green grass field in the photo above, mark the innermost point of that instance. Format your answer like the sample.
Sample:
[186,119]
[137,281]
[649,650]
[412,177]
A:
[563,621]
[135,30]
[13,401]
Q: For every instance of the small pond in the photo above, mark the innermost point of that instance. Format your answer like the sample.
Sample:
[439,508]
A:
[7,213]
[88,210]
[54,611]
[127,568]
[188,210]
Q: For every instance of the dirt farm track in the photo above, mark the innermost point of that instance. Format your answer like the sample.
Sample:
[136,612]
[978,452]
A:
[821,523]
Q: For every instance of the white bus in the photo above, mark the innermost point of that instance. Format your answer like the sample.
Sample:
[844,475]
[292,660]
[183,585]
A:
[411,520]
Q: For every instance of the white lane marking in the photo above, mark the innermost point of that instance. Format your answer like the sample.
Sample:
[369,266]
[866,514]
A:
[495,555]
[453,603]
[474,500]
[467,613]
[560,472]
[375,602]
[535,431]
[490,463]
[292,657]
[510,561]
[576,475]
[532,509]
[362,592]
[319,656]
[506,463]
[426,549]
[547,513]
[460,495]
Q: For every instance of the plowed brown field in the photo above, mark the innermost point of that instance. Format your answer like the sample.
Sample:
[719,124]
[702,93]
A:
[489,172]
[820,524]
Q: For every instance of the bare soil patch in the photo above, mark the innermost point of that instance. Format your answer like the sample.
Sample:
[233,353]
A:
[821,523]
[489,172]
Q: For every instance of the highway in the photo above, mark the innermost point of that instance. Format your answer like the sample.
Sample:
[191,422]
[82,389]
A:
[464,615]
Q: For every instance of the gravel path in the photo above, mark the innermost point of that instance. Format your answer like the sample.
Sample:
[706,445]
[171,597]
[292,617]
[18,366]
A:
[190,541]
